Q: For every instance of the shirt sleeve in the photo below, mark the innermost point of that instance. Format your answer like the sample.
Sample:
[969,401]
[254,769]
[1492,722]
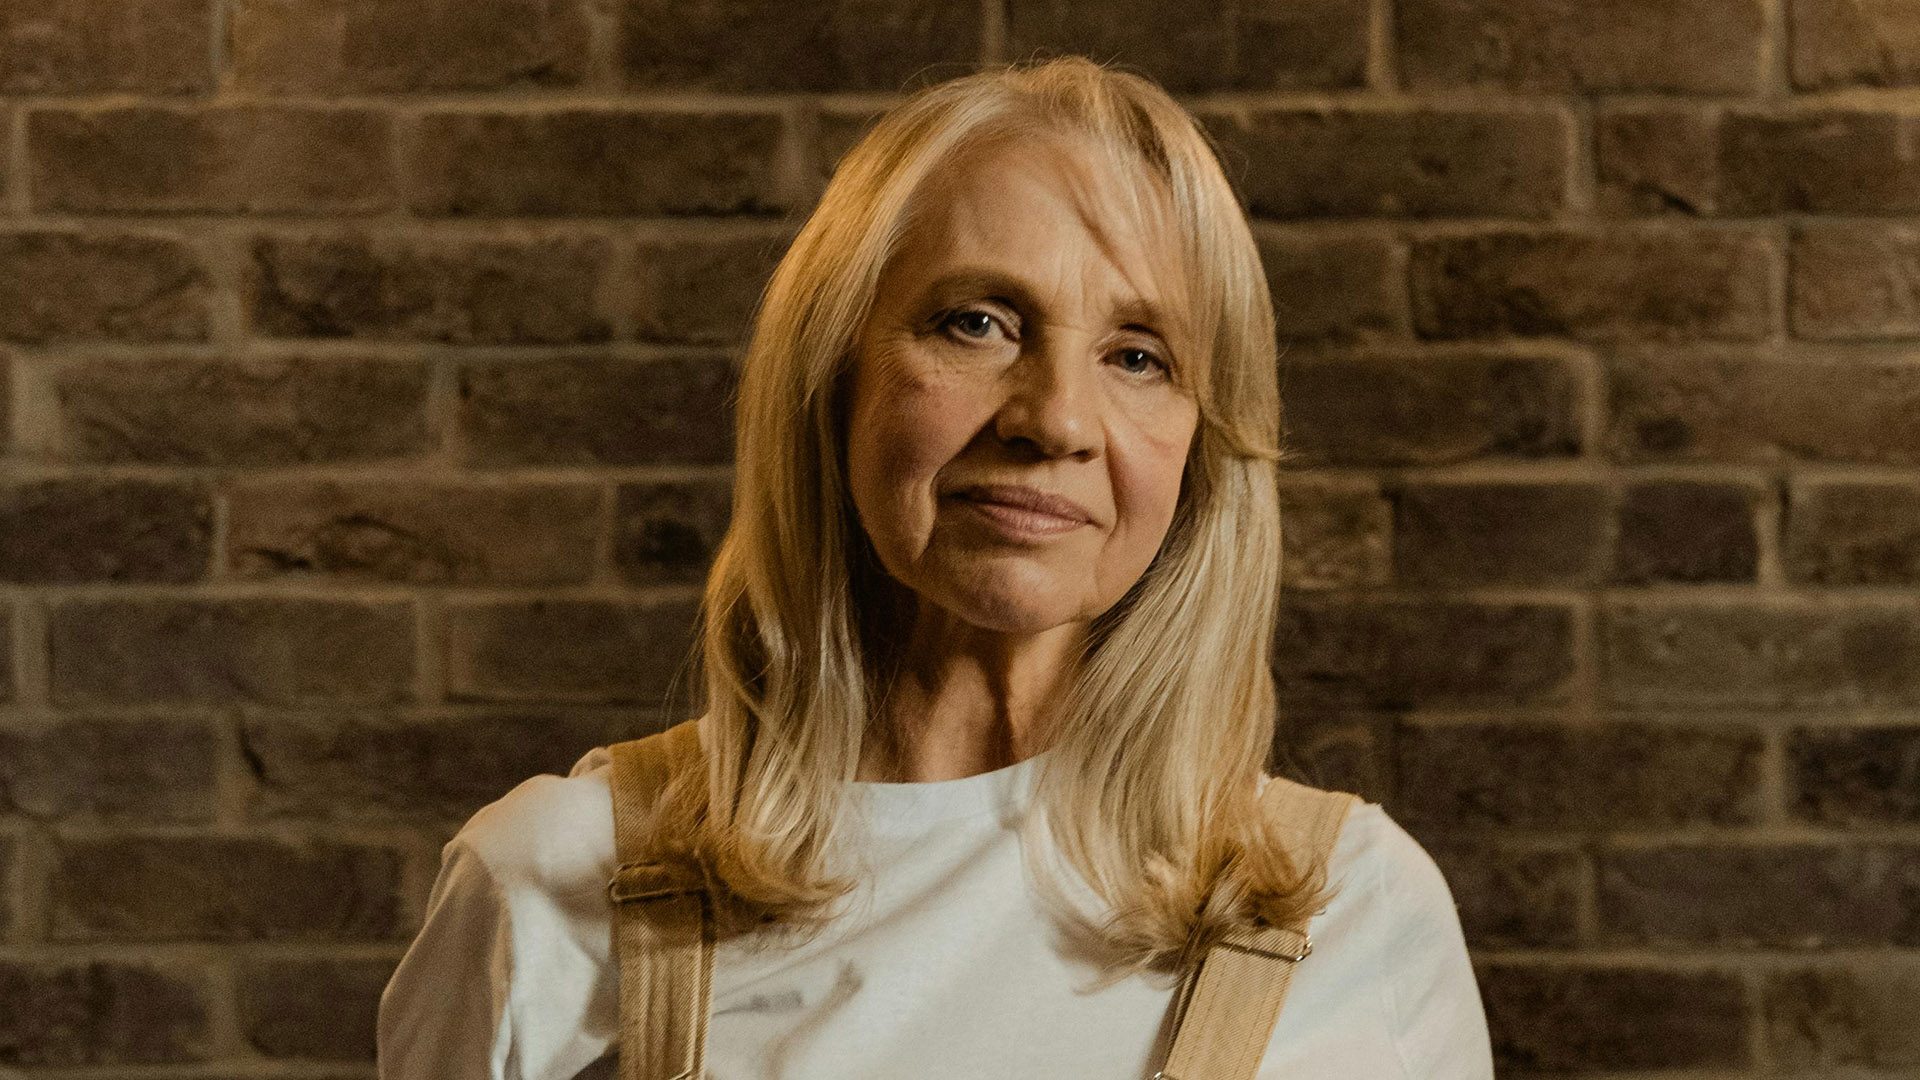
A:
[443,1013]
[1433,999]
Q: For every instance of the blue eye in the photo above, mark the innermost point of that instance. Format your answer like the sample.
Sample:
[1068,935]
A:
[984,320]
[974,317]
[1151,359]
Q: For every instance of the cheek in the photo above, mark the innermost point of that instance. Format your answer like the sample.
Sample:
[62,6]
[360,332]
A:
[1147,471]
[904,430]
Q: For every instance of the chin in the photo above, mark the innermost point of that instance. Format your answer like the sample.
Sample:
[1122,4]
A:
[1021,623]
[1010,612]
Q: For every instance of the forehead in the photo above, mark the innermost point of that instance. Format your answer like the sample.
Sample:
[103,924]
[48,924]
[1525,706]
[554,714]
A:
[1049,210]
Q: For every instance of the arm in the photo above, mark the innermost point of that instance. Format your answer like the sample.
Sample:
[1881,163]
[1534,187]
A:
[443,1013]
[1433,1000]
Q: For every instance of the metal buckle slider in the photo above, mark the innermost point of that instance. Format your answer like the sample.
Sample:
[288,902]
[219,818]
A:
[1306,949]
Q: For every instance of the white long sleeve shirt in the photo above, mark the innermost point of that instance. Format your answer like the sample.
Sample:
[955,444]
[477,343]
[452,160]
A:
[949,968]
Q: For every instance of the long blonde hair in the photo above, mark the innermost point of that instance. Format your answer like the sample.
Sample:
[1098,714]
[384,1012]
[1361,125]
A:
[1159,743]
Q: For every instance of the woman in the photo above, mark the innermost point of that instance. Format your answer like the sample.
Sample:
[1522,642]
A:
[986,653]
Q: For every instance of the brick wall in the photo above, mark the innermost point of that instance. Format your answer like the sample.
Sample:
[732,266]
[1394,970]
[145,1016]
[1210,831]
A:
[366,441]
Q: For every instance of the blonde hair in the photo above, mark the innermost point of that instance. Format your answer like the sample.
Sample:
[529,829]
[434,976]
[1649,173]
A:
[1158,746]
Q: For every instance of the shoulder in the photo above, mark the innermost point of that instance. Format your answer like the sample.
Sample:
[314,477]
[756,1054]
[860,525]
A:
[1392,938]
[517,923]
[1374,858]
[550,832]
[1379,852]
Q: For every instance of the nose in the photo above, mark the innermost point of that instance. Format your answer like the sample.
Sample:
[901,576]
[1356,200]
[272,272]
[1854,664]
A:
[1053,399]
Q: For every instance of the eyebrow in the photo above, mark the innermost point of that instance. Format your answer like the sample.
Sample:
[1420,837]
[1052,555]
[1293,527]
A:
[1136,312]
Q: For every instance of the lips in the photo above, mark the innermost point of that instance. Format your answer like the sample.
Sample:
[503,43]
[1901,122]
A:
[1026,498]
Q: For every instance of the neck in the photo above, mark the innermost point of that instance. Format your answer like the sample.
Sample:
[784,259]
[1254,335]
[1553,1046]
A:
[963,700]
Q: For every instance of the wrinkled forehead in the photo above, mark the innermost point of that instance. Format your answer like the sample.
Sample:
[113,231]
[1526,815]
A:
[1112,192]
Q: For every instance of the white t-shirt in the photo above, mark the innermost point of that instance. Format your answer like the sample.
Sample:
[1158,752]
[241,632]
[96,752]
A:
[950,970]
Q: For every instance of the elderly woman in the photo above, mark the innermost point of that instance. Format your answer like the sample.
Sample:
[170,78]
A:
[981,773]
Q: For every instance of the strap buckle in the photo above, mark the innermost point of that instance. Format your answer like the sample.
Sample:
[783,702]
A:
[1306,950]
[651,880]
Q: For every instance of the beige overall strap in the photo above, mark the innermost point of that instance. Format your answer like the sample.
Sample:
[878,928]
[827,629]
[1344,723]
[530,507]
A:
[662,930]
[1223,1026]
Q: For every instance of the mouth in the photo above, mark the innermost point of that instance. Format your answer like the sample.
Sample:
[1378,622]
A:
[1031,500]
[1018,522]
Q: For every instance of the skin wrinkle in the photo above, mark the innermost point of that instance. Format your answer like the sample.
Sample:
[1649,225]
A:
[1040,387]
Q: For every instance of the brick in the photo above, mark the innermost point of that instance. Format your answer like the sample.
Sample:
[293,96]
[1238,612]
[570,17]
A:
[6,649]
[320,1009]
[101,1013]
[702,291]
[13,177]
[1628,282]
[1186,48]
[1608,45]
[1853,534]
[82,46]
[1334,288]
[99,529]
[1287,44]
[1334,749]
[670,410]
[596,162]
[1821,161]
[1557,775]
[1214,45]
[757,45]
[528,534]
[1831,1019]
[1339,162]
[1786,896]
[225,159]
[1843,42]
[668,532]
[1855,282]
[568,650]
[285,651]
[367,768]
[345,1073]
[143,769]
[1466,533]
[1656,161]
[1738,408]
[1562,1018]
[1513,897]
[71,286]
[1760,655]
[260,411]
[222,888]
[1427,410]
[1854,775]
[444,289]
[1687,531]
[1334,535]
[1399,653]
[834,133]
[396,46]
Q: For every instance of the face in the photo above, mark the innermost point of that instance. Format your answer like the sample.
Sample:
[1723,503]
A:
[1021,337]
